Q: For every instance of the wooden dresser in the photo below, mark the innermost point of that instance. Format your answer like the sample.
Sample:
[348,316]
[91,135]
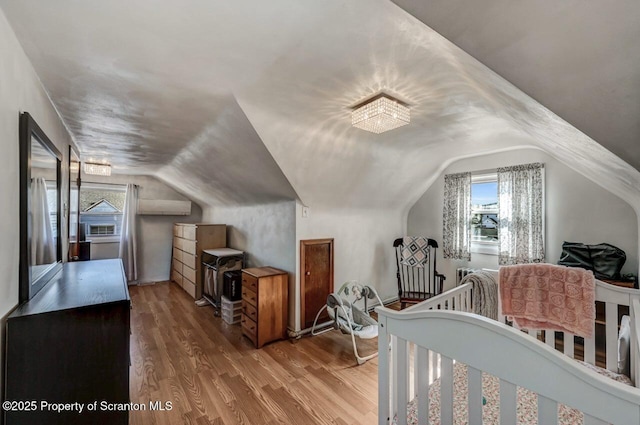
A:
[188,242]
[70,344]
[265,304]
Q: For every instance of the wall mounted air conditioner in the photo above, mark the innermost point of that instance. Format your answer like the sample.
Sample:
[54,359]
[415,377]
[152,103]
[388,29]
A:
[163,207]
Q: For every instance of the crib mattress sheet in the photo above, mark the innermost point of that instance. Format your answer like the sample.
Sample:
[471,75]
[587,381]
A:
[527,409]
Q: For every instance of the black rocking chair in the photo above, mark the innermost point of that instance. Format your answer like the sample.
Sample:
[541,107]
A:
[416,284]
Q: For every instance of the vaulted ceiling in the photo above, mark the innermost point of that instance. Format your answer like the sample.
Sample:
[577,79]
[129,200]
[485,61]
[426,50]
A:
[249,101]
[580,59]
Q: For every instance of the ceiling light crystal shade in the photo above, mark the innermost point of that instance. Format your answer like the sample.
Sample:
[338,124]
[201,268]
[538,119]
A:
[380,115]
[97,169]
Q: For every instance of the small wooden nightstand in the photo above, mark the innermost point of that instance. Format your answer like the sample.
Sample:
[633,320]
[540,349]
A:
[265,304]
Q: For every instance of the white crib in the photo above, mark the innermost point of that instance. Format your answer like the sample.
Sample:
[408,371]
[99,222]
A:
[423,344]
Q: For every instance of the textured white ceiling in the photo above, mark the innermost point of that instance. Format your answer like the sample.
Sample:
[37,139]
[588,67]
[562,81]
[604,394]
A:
[226,99]
[581,59]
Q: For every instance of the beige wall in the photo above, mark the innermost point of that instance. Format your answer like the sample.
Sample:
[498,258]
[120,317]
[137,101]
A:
[577,210]
[20,91]
[363,244]
[270,234]
[265,232]
[155,232]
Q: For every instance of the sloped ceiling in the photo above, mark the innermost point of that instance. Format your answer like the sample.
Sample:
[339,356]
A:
[581,59]
[174,88]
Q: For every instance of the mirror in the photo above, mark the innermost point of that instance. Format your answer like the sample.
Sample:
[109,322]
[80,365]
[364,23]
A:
[40,206]
[74,204]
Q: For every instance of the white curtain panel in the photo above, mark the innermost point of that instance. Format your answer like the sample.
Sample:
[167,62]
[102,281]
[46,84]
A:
[456,242]
[43,244]
[128,234]
[521,212]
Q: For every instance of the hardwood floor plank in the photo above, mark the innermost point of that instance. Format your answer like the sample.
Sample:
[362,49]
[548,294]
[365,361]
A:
[213,375]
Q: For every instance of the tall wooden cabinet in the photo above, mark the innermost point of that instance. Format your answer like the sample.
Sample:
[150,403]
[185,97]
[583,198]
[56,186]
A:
[70,344]
[265,304]
[188,242]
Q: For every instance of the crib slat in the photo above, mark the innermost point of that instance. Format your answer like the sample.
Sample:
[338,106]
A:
[446,391]
[401,371]
[434,372]
[436,366]
[413,388]
[590,420]
[611,332]
[547,411]
[590,350]
[533,332]
[422,385]
[383,375]
[550,338]
[569,345]
[393,375]
[467,300]
[508,402]
[475,396]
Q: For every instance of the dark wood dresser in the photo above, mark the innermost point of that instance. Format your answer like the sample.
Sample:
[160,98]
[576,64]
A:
[265,304]
[70,344]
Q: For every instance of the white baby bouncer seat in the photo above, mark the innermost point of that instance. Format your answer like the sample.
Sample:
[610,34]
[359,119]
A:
[348,317]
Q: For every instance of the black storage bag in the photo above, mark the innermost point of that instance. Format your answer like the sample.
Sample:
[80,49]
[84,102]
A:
[603,259]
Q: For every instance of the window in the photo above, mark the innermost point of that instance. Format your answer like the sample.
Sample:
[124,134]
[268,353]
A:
[101,208]
[484,214]
[498,213]
[52,200]
[101,230]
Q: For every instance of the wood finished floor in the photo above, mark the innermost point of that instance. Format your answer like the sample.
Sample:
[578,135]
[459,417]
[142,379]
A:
[212,375]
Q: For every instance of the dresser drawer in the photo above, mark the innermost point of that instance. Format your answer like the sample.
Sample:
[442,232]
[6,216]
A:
[189,286]
[188,246]
[249,296]
[250,282]
[189,260]
[250,329]
[178,279]
[189,273]
[177,243]
[177,266]
[177,254]
[250,311]
[177,230]
[189,232]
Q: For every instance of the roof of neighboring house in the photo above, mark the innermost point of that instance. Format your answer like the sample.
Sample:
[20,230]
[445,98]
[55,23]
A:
[102,207]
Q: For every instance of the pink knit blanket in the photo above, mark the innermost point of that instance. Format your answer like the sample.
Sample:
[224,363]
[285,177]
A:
[546,296]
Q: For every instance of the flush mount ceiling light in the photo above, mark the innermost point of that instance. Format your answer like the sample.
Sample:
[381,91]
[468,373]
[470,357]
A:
[380,114]
[96,169]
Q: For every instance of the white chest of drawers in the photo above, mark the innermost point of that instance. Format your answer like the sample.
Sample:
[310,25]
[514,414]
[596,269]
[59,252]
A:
[188,242]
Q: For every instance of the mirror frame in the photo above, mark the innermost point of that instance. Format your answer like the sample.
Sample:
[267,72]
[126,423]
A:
[28,129]
[78,182]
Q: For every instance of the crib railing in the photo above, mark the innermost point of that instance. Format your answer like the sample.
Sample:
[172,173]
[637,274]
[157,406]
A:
[458,299]
[426,338]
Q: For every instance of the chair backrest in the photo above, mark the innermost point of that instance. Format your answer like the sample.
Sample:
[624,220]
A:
[416,284]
